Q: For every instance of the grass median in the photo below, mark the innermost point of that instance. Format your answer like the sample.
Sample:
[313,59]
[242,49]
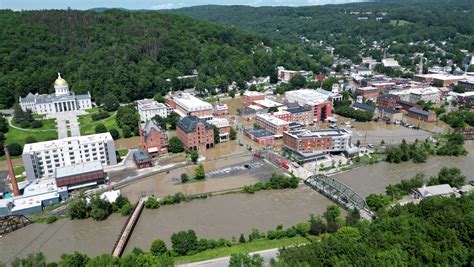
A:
[255,245]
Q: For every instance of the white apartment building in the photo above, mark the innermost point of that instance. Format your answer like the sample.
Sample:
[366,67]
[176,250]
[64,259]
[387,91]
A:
[42,158]
[428,94]
[149,108]
[61,100]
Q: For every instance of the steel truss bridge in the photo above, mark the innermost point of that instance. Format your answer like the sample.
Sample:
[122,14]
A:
[11,223]
[339,193]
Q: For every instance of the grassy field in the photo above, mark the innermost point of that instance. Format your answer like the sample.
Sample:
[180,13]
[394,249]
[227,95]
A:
[255,245]
[48,125]
[87,125]
[18,136]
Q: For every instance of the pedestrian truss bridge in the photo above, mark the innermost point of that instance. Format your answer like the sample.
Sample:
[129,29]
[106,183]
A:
[339,193]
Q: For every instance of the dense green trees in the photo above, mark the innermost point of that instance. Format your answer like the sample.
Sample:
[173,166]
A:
[199,172]
[98,208]
[184,242]
[459,119]
[350,112]
[100,128]
[15,149]
[158,247]
[155,49]
[438,231]
[175,145]
[245,260]
[110,102]
[127,118]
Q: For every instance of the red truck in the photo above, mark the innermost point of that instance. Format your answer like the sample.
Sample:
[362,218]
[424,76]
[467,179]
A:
[284,165]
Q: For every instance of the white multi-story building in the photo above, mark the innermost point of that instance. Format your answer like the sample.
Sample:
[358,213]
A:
[42,158]
[427,94]
[316,141]
[188,105]
[305,97]
[149,108]
[61,100]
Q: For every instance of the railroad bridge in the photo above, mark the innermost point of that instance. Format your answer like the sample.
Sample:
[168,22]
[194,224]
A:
[339,193]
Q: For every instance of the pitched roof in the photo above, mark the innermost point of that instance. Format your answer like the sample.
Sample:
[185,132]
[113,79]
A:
[420,111]
[364,106]
[188,124]
[148,126]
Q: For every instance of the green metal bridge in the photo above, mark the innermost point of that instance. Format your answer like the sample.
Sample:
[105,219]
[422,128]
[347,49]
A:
[339,193]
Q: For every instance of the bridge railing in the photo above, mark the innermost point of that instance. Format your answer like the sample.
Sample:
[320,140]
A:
[338,192]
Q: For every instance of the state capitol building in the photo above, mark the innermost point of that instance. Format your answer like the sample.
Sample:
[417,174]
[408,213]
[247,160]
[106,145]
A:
[62,100]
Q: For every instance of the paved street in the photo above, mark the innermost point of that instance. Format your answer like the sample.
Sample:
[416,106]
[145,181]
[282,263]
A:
[65,120]
[224,261]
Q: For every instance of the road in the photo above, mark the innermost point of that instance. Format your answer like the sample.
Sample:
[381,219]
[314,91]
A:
[267,255]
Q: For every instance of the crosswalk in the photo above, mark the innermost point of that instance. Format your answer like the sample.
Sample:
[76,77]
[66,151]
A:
[235,169]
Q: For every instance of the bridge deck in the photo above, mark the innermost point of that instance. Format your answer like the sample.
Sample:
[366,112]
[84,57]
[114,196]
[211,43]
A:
[128,228]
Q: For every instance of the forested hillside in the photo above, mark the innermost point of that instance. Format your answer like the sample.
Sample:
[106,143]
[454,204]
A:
[130,54]
[438,232]
[351,27]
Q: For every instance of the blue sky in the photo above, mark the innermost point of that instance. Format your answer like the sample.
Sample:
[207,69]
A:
[153,4]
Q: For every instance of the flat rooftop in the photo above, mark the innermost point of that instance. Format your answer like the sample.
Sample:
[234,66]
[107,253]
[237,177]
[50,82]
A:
[273,120]
[191,103]
[150,104]
[258,133]
[219,122]
[66,142]
[305,96]
[267,103]
[443,77]
[77,169]
[319,133]
[253,93]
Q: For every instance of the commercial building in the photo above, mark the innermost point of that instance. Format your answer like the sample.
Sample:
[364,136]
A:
[223,126]
[467,85]
[61,100]
[249,96]
[42,158]
[149,108]
[80,175]
[316,102]
[421,114]
[370,93]
[466,99]
[388,101]
[286,75]
[272,124]
[154,139]
[442,79]
[317,141]
[267,103]
[301,115]
[36,196]
[432,94]
[195,133]
[260,136]
[221,109]
[188,105]
[407,105]
[282,115]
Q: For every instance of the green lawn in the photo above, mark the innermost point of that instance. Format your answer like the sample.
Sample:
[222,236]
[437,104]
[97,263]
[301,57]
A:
[93,110]
[48,125]
[122,152]
[87,125]
[253,246]
[18,136]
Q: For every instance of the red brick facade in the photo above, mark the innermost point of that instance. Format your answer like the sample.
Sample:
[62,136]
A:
[201,138]
[153,141]
[321,111]
[248,99]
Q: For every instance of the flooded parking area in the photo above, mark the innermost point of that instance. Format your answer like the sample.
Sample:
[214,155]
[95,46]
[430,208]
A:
[228,216]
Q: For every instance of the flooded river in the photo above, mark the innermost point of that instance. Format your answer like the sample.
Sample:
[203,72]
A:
[374,178]
[221,216]
[228,216]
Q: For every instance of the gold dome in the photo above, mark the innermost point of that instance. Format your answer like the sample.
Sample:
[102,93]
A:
[60,81]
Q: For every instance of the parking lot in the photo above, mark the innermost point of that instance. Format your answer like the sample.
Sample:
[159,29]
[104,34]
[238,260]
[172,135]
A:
[235,170]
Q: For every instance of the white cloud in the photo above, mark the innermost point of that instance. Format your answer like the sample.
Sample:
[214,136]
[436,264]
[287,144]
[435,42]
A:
[167,6]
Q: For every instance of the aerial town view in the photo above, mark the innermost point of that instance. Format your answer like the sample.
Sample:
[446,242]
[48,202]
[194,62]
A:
[228,133]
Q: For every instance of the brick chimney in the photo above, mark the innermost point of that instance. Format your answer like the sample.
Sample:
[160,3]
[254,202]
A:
[11,172]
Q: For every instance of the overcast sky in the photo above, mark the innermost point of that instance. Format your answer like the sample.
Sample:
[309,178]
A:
[153,4]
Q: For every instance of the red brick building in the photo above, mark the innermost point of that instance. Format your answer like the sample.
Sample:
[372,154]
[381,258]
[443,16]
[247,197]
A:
[260,136]
[301,115]
[388,101]
[154,140]
[421,114]
[304,141]
[407,105]
[272,124]
[223,126]
[368,92]
[321,111]
[250,96]
[221,109]
[282,115]
[195,133]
